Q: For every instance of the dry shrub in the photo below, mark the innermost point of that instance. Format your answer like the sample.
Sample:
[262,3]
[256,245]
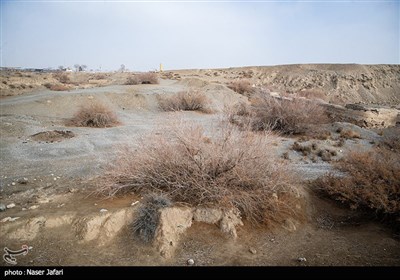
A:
[56,87]
[238,114]
[191,100]
[235,169]
[94,115]
[285,115]
[143,78]
[62,77]
[349,134]
[242,86]
[372,181]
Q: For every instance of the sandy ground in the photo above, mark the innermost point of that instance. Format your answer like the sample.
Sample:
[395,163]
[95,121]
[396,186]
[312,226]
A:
[55,176]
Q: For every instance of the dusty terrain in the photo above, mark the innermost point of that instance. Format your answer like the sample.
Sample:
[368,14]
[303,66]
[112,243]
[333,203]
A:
[48,170]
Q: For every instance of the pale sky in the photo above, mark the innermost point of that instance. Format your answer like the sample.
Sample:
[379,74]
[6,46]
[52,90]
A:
[141,35]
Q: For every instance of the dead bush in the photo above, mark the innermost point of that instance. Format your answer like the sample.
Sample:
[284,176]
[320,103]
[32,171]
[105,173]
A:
[242,86]
[234,169]
[62,77]
[191,100]
[94,115]
[289,116]
[372,181]
[148,215]
[143,78]
[56,87]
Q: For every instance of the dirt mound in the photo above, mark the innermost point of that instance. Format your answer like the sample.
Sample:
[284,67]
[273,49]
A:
[52,136]
[341,83]
[348,83]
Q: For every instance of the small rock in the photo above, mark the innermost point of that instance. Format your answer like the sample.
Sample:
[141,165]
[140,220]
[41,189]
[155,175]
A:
[272,240]
[11,205]
[33,207]
[43,200]
[103,210]
[2,207]
[23,181]
[9,219]
[252,250]
[301,259]
[190,262]
[134,203]
[13,184]
[72,190]
[23,209]
[55,179]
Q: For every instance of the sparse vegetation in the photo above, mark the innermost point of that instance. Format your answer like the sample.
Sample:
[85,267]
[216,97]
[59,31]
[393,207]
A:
[234,169]
[94,115]
[144,78]
[62,77]
[372,181]
[312,150]
[147,216]
[242,86]
[190,100]
[304,149]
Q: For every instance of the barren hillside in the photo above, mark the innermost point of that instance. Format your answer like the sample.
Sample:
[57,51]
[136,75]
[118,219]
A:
[344,83]
[340,83]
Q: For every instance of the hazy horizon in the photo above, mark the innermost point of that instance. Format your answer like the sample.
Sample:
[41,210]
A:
[191,35]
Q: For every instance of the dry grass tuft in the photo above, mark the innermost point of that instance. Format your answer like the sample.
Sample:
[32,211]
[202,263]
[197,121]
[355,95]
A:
[242,86]
[372,181]
[190,100]
[143,78]
[234,169]
[94,115]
